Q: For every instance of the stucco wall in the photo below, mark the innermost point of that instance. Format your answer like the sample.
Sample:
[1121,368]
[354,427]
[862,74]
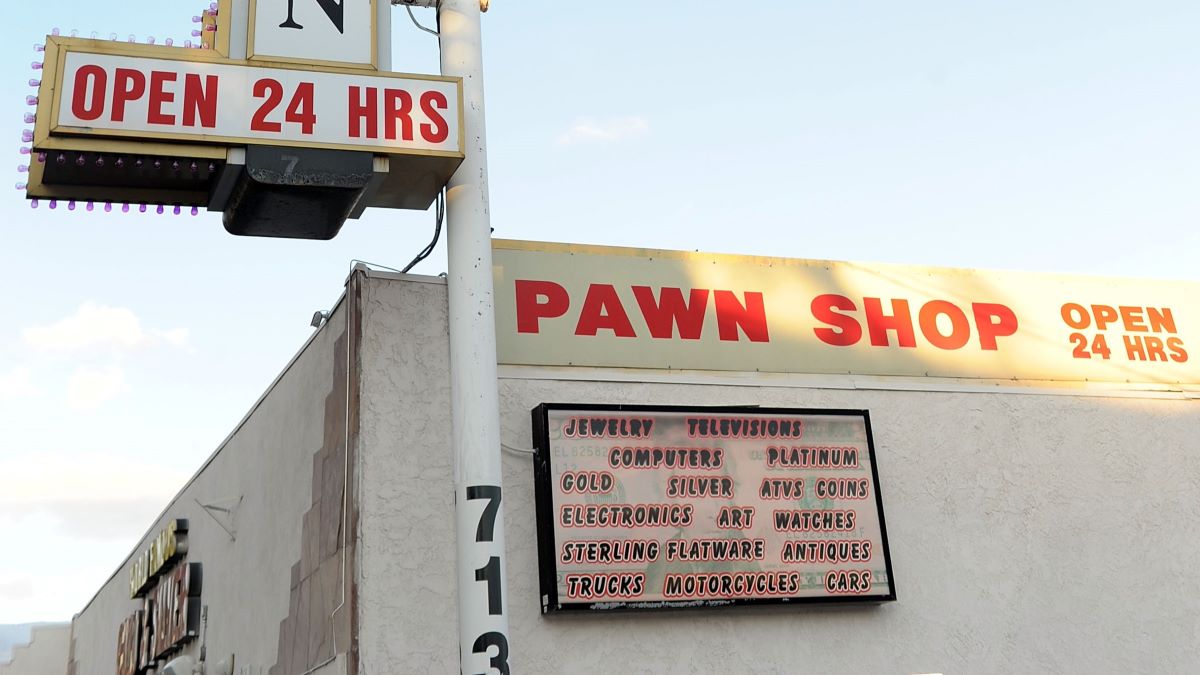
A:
[46,653]
[248,583]
[1035,533]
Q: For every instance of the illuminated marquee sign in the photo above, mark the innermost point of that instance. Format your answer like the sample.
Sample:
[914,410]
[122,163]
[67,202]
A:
[170,607]
[171,95]
[287,121]
[643,507]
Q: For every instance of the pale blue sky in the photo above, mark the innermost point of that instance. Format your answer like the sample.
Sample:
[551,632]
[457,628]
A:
[1050,135]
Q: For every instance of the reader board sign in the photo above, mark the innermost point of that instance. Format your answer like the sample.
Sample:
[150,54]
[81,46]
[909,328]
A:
[174,96]
[599,306]
[644,507]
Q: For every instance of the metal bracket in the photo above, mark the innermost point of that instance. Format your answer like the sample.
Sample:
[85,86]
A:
[228,512]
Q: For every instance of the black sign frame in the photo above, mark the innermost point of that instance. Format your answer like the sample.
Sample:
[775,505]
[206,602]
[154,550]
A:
[548,545]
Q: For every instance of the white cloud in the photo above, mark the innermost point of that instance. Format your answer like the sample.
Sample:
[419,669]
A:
[100,325]
[589,130]
[17,384]
[50,597]
[94,477]
[96,496]
[90,388]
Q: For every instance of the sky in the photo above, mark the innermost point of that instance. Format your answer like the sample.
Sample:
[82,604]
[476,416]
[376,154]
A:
[1055,136]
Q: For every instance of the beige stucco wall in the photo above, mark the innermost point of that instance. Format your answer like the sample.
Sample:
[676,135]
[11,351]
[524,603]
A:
[248,582]
[46,653]
[1029,532]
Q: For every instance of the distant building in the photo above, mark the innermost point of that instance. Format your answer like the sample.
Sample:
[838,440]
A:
[45,654]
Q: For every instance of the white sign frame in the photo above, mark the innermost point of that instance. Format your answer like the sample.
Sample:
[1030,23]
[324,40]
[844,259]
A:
[269,41]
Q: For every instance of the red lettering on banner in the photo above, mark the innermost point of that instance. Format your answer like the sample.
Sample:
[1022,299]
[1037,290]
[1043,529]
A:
[1161,320]
[993,321]
[129,85]
[1104,315]
[531,309]
[436,130]
[878,323]
[672,310]
[602,310]
[398,104]
[364,111]
[731,315]
[845,331]
[200,100]
[84,105]
[160,96]
[842,329]
[960,328]
[271,90]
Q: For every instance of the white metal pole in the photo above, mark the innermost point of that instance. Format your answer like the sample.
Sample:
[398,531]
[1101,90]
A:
[479,511]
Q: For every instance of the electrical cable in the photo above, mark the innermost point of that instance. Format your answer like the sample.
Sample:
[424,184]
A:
[439,216]
[521,451]
[417,23]
[371,264]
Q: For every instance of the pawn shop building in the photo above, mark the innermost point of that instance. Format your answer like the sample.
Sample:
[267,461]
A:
[712,464]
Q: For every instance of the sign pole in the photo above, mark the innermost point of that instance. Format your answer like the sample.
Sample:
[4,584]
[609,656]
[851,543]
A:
[479,512]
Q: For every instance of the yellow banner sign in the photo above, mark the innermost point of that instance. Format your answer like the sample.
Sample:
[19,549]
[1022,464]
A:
[571,305]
